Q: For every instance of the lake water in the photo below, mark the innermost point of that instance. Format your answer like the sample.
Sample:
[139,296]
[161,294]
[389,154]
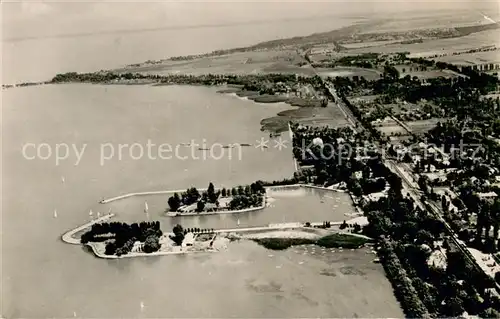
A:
[285,206]
[39,59]
[43,277]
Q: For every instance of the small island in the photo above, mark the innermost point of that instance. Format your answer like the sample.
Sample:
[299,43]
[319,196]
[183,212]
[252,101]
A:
[211,201]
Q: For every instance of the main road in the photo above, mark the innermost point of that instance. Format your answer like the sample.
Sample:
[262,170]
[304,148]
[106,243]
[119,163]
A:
[355,123]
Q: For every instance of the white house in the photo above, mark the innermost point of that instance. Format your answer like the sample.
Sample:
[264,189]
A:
[188,240]
[487,195]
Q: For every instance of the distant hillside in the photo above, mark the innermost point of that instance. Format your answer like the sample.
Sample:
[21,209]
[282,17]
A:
[477,28]
[305,42]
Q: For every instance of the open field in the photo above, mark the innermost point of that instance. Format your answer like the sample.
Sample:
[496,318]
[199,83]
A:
[368,74]
[424,126]
[269,61]
[389,126]
[472,58]
[368,44]
[363,99]
[272,61]
[404,70]
[330,116]
[391,129]
[429,20]
[439,46]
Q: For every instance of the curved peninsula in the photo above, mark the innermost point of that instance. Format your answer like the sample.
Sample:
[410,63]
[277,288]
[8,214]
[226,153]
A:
[112,240]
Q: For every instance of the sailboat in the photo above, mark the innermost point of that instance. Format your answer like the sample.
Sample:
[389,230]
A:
[142,305]
[98,214]
[146,207]
[91,213]
[238,222]
[62,179]
[55,213]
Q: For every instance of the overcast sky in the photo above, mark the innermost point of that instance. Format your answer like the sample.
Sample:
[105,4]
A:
[33,19]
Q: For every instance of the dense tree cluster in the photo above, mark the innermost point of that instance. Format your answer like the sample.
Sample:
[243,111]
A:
[333,164]
[189,197]
[178,235]
[121,237]
[241,197]
[250,196]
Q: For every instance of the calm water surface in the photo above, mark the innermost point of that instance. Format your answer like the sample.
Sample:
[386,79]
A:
[285,206]
[41,59]
[42,277]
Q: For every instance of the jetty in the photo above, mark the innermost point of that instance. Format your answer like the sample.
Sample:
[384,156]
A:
[112,199]
[164,192]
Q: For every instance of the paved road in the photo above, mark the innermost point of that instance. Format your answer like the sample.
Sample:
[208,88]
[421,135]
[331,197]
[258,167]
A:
[347,112]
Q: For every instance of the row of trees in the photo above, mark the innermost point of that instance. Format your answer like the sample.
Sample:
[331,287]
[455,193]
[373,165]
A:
[408,235]
[199,230]
[118,229]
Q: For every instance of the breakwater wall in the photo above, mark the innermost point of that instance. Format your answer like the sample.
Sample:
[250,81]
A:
[164,192]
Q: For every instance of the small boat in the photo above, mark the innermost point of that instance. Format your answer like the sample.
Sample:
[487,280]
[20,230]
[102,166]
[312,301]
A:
[376,260]
[245,144]
[203,149]
[238,222]
[146,207]
[55,213]
[62,179]
[142,305]
[98,214]
[91,213]
[74,314]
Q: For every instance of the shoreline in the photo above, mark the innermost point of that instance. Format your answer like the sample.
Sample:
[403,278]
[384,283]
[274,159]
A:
[99,254]
[246,210]
[286,230]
